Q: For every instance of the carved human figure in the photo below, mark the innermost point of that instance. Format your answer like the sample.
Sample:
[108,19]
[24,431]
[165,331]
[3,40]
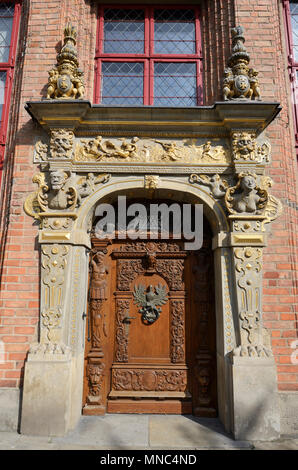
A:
[59,197]
[248,199]
[79,84]
[129,149]
[98,288]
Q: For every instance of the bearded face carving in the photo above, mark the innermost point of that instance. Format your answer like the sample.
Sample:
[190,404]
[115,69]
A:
[61,143]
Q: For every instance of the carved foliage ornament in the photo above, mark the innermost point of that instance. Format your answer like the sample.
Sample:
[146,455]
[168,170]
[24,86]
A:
[149,380]
[150,247]
[53,262]
[248,265]
[122,312]
[66,78]
[177,331]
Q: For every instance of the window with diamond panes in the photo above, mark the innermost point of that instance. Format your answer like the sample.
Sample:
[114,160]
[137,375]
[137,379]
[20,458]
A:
[148,56]
[291,21]
[9,20]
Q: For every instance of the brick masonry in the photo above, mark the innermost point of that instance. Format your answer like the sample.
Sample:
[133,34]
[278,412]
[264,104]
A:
[41,31]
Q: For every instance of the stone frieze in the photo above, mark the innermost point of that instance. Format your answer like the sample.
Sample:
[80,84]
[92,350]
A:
[193,151]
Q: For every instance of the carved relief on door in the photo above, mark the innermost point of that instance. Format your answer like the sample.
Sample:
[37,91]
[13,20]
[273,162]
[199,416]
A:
[151,329]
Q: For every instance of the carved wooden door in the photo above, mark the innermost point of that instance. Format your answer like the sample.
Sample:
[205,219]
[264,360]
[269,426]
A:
[151,329]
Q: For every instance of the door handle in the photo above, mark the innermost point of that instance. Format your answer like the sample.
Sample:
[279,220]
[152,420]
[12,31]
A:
[127,319]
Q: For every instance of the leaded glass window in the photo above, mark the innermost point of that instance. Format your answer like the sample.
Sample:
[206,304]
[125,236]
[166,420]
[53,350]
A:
[148,56]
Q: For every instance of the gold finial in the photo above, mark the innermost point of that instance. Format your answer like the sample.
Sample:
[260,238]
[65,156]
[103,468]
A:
[66,78]
[240,81]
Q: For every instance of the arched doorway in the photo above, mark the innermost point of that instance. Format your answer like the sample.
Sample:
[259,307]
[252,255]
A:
[150,337]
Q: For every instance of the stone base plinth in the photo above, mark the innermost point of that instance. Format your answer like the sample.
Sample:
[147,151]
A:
[256,414]
[46,396]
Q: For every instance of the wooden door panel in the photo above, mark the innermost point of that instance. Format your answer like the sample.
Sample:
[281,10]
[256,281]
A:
[149,342]
[167,366]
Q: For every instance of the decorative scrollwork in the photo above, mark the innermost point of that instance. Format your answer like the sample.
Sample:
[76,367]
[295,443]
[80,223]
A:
[149,380]
[177,331]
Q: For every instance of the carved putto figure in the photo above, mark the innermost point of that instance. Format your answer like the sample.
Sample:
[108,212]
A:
[208,152]
[87,184]
[171,150]
[240,82]
[217,185]
[99,149]
[66,78]
[246,197]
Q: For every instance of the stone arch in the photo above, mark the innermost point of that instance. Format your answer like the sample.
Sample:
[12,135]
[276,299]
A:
[190,193]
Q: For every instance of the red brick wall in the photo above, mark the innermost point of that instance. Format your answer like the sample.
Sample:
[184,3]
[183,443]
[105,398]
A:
[265,41]
[19,301]
[19,297]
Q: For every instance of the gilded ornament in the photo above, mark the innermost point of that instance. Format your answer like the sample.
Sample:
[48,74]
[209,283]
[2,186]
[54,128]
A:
[57,194]
[97,149]
[86,185]
[246,197]
[244,146]
[217,185]
[40,152]
[150,150]
[151,181]
[66,78]
[240,82]
[248,268]
[61,143]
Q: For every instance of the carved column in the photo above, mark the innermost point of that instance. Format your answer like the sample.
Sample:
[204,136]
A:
[253,370]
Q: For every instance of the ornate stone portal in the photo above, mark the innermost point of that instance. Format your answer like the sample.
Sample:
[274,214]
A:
[215,156]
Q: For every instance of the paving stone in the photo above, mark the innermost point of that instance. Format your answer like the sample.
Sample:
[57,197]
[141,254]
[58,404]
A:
[141,432]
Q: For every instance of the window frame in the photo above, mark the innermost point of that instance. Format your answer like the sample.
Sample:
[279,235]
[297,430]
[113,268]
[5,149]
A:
[292,66]
[8,67]
[148,57]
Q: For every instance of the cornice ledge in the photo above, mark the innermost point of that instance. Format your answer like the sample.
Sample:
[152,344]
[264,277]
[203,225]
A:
[219,119]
